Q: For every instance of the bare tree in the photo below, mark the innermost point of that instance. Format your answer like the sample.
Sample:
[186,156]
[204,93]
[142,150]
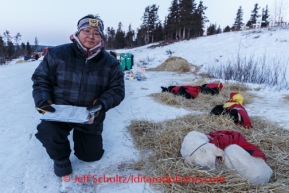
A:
[7,36]
[17,38]
[280,8]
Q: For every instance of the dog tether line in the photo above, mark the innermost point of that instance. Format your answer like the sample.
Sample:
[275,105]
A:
[197,148]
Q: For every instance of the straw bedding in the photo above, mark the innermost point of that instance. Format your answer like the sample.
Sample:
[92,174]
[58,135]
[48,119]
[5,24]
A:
[286,98]
[160,143]
[20,61]
[204,102]
[176,64]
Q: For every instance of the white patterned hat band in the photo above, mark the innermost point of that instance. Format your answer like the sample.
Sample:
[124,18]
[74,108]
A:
[91,22]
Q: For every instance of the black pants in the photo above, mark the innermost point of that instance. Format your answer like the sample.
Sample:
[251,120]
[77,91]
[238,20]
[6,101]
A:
[53,136]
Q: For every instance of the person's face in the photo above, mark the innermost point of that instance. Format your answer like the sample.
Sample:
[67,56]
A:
[89,37]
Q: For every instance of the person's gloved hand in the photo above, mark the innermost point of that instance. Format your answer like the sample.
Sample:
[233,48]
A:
[45,106]
[96,104]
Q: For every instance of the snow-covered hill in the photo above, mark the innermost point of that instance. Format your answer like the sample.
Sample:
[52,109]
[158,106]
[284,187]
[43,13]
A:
[26,167]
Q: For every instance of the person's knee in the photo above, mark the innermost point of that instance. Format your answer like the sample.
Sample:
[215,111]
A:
[43,130]
[87,147]
[44,125]
[90,156]
[52,132]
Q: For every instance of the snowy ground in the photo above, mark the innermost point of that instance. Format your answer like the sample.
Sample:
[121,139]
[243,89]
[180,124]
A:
[26,167]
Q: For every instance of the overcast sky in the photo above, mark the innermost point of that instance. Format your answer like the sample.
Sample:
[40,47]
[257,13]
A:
[53,21]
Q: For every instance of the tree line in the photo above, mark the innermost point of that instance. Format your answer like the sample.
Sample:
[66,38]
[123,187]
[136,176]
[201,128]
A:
[10,47]
[278,12]
[186,19]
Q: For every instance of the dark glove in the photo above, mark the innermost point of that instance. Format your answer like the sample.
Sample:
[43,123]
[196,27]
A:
[45,106]
[96,105]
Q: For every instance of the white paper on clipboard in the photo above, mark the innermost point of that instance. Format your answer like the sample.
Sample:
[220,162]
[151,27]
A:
[68,113]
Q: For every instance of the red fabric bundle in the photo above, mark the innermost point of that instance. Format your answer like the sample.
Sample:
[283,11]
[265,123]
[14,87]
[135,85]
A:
[224,138]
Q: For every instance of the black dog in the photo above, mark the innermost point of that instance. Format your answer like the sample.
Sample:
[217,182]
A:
[207,90]
[167,89]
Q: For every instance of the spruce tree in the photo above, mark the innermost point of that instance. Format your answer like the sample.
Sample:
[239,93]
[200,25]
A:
[10,50]
[265,16]
[2,50]
[159,32]
[239,19]
[187,8]
[129,38]
[199,20]
[150,19]
[36,43]
[140,36]
[119,37]
[254,16]
[145,24]
[173,20]
[227,29]
[211,30]
[110,38]
[166,29]
[28,49]
[218,30]
[23,49]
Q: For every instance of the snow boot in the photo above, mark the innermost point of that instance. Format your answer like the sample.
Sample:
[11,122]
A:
[62,168]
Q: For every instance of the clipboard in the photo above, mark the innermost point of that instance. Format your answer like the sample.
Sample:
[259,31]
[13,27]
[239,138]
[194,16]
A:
[71,114]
